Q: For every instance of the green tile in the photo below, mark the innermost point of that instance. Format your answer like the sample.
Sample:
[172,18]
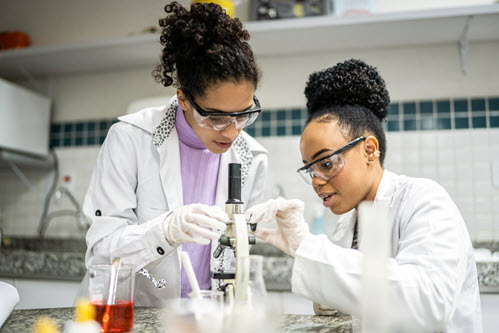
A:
[426,107]
[55,128]
[394,108]
[79,127]
[494,121]
[393,125]
[443,106]
[296,114]
[444,123]
[460,105]
[281,115]
[461,123]
[410,125]
[266,116]
[266,131]
[478,104]
[494,104]
[103,125]
[251,131]
[91,125]
[91,140]
[426,123]
[296,130]
[281,130]
[409,108]
[55,142]
[479,122]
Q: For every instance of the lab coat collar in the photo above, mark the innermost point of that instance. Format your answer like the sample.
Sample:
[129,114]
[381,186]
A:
[148,119]
[160,122]
[386,188]
[343,234]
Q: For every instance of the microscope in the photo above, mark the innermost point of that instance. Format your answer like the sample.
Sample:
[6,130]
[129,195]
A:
[236,240]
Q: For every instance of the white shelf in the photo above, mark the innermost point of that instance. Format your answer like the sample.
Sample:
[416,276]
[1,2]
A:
[269,38]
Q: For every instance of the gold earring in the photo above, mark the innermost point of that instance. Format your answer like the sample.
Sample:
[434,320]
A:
[377,153]
[369,162]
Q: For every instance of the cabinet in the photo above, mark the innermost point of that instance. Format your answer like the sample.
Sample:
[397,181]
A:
[490,309]
[271,38]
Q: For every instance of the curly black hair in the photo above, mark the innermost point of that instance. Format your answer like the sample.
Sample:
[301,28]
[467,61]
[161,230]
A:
[354,94]
[203,46]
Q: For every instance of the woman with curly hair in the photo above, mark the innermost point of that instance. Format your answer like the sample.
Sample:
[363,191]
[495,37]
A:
[432,274]
[160,182]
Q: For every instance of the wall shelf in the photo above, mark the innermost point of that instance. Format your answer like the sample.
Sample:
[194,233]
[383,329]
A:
[268,38]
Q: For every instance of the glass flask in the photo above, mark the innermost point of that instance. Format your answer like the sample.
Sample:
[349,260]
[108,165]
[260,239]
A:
[250,312]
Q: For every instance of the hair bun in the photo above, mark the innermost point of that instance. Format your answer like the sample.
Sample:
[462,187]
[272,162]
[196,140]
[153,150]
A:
[352,82]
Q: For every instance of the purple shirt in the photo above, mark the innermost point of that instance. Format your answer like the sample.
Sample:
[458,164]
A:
[199,169]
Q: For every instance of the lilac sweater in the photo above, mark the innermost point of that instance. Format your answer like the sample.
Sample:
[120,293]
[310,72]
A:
[199,184]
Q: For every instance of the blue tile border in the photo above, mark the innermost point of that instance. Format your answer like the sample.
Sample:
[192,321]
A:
[424,115]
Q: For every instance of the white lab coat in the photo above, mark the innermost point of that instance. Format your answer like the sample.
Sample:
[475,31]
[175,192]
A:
[137,180]
[432,273]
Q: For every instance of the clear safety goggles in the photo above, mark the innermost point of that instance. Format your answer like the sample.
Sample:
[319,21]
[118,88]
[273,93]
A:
[218,121]
[328,166]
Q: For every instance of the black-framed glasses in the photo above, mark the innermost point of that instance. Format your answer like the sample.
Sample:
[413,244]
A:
[328,166]
[218,121]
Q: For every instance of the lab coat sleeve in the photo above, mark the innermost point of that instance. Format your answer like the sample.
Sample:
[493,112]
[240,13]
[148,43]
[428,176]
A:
[259,185]
[110,204]
[424,277]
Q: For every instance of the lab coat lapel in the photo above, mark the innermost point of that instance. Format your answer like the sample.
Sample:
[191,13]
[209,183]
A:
[169,161]
[343,234]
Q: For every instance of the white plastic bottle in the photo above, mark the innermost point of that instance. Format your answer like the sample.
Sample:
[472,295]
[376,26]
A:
[318,221]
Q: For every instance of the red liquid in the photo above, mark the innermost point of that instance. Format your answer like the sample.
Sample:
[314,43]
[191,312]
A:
[120,316]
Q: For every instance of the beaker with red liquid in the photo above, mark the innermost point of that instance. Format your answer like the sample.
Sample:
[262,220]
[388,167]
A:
[115,314]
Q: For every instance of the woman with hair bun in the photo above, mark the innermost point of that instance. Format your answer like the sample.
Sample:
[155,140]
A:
[432,274]
[160,182]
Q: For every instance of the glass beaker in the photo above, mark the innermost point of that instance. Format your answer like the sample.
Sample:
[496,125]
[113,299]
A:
[120,310]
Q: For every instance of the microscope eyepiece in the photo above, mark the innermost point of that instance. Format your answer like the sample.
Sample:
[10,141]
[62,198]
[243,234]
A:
[234,184]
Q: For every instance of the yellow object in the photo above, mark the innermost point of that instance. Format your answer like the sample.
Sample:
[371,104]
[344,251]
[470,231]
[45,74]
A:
[228,5]
[299,10]
[45,325]
[85,311]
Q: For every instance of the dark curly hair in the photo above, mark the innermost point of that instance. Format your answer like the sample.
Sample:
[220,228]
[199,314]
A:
[203,46]
[354,94]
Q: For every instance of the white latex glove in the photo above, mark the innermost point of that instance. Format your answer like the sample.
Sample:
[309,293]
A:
[291,225]
[195,223]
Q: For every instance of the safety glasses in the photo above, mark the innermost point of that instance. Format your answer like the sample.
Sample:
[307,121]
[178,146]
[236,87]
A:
[328,166]
[218,121]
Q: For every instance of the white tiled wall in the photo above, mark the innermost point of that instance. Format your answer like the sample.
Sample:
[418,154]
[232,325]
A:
[21,206]
[462,161]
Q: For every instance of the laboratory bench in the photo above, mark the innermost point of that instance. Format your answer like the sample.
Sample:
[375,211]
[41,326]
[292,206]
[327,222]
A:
[149,320]
[64,260]
[47,274]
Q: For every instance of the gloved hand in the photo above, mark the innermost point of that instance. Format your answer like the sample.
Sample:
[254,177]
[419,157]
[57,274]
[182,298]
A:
[323,310]
[291,225]
[195,223]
